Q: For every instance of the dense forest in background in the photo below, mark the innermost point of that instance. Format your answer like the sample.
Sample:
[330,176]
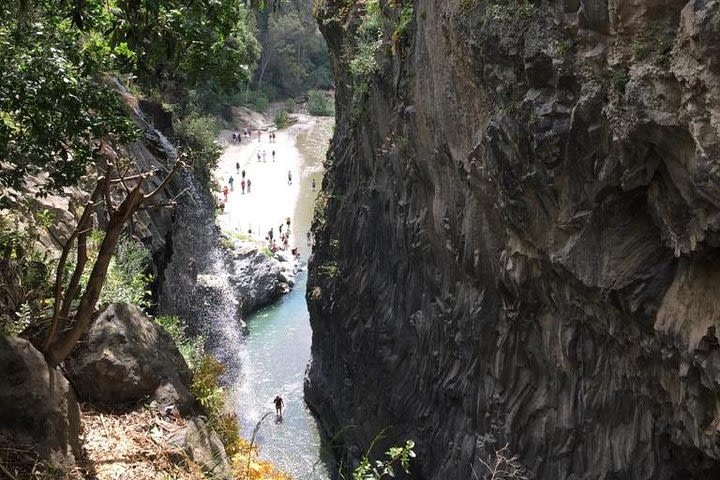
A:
[294,55]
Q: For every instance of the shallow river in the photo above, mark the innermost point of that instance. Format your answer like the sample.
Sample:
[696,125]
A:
[274,354]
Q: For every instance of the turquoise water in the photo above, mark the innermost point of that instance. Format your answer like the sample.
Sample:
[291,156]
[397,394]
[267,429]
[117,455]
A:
[274,357]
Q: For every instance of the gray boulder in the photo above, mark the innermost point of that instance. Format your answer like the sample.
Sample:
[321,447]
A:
[126,357]
[258,279]
[203,446]
[38,408]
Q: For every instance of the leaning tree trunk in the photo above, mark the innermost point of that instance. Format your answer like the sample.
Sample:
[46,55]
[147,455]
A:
[56,350]
[60,349]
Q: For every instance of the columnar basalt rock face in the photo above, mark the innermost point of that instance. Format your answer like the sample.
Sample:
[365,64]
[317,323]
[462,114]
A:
[520,239]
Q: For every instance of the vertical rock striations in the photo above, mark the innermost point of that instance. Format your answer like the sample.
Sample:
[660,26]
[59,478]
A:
[520,237]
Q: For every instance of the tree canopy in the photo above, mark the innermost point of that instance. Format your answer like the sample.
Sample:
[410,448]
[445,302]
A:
[55,56]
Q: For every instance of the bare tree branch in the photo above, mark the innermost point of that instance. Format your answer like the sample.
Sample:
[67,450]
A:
[179,164]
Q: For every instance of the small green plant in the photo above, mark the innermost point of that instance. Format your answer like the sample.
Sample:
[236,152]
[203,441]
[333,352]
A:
[207,389]
[191,348]
[405,19]
[265,250]
[641,49]
[127,280]
[397,457]
[619,79]
[509,10]
[563,47]
[241,237]
[205,385]
[330,269]
[17,325]
[227,243]
[198,133]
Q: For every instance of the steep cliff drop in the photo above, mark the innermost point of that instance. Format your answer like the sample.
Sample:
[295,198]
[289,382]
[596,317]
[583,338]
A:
[519,236]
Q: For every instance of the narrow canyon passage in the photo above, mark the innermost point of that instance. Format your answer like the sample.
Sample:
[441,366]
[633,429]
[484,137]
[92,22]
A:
[272,357]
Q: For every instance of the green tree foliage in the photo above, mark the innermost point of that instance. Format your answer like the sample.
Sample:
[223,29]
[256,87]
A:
[397,457]
[55,55]
[187,40]
[294,57]
[54,103]
[62,120]
[198,133]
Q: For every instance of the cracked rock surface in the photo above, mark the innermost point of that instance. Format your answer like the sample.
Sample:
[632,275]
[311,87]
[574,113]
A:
[520,239]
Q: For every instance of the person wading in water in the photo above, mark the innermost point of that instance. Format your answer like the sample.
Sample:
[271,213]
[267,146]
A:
[278,406]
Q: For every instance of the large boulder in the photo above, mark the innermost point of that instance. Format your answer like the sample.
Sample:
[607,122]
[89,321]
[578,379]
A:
[126,357]
[260,279]
[203,446]
[38,408]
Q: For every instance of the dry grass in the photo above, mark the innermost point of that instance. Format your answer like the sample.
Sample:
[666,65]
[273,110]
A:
[19,464]
[130,446]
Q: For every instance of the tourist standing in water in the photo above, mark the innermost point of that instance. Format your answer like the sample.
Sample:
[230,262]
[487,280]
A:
[313,184]
[289,177]
[278,405]
[249,184]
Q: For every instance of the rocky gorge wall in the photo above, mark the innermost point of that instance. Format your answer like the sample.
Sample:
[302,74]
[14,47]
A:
[519,239]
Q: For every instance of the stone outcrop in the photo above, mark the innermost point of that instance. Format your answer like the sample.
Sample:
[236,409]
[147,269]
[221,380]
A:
[126,357]
[38,408]
[520,239]
[203,446]
[259,279]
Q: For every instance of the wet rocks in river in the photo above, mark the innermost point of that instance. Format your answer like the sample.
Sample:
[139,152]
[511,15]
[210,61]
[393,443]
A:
[126,357]
[259,278]
[38,408]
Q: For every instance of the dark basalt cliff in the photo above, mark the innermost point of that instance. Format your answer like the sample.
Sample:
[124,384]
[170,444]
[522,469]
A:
[520,238]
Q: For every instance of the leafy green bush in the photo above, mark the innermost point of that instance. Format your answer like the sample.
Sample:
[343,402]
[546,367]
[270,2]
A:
[320,104]
[368,42]
[198,133]
[282,119]
[206,387]
[290,105]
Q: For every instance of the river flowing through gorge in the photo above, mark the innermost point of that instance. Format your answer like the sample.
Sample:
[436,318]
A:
[272,357]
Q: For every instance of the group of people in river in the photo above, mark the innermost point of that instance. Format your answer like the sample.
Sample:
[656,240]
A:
[284,240]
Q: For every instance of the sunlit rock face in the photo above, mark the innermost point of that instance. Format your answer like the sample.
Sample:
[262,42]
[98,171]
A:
[520,240]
